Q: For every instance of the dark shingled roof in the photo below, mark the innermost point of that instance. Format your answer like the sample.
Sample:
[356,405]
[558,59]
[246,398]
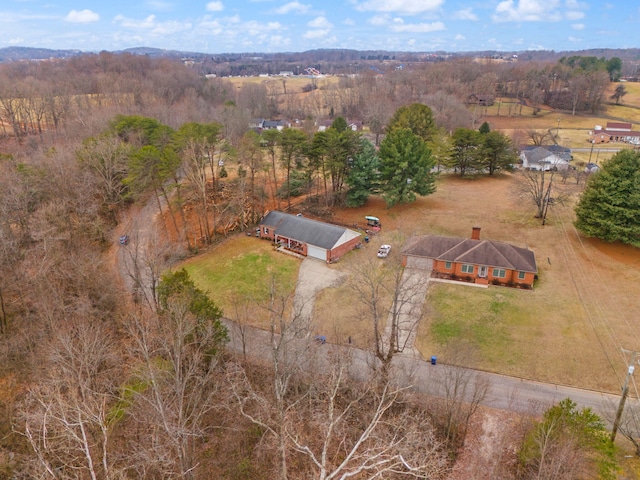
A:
[557,150]
[306,230]
[477,252]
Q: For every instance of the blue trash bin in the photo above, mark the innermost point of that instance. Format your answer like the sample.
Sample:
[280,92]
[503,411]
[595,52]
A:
[434,359]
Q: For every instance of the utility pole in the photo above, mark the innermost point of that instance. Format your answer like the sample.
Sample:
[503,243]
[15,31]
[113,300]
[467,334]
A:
[546,199]
[625,393]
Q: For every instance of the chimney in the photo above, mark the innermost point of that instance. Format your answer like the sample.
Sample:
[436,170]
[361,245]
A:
[475,233]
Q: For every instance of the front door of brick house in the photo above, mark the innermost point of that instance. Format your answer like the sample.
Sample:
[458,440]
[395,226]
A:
[483,271]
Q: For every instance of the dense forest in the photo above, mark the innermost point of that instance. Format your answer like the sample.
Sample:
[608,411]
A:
[105,383]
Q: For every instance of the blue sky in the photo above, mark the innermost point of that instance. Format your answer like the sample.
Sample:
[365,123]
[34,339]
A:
[234,26]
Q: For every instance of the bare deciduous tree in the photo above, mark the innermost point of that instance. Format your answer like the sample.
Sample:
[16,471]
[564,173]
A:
[291,352]
[540,137]
[180,376]
[629,425]
[463,390]
[68,417]
[535,186]
[348,428]
[394,298]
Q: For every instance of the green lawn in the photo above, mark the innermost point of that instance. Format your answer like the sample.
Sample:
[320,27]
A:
[242,269]
[484,319]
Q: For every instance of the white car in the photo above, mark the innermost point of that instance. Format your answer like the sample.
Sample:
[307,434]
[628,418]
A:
[383,251]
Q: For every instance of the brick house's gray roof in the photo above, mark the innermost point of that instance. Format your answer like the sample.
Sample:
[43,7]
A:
[306,230]
[477,252]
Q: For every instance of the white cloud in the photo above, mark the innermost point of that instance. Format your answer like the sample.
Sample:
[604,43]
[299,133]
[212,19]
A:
[293,7]
[278,41]
[527,11]
[312,34]
[574,15]
[576,5]
[160,5]
[151,25]
[348,21]
[417,27]
[578,26]
[399,6]
[256,28]
[378,20]
[147,23]
[320,22]
[82,16]
[465,14]
[575,39]
[460,37]
[215,6]
[168,28]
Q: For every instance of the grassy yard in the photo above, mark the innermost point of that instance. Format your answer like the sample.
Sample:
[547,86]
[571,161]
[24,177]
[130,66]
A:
[240,269]
[570,329]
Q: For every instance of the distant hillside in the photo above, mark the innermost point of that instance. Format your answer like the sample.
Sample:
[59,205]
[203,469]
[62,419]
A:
[12,54]
[311,57]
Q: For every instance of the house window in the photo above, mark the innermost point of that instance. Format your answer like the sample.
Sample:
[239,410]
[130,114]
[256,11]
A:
[499,273]
[266,231]
[447,265]
[521,275]
[467,268]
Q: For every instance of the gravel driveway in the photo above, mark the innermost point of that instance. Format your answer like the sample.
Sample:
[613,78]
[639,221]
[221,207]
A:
[313,277]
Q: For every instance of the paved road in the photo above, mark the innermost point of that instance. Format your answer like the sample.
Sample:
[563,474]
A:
[411,370]
[597,149]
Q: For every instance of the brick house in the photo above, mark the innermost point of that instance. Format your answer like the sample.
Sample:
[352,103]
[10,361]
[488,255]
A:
[472,260]
[308,237]
[615,132]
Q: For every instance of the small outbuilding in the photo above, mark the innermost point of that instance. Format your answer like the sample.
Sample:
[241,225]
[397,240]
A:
[308,237]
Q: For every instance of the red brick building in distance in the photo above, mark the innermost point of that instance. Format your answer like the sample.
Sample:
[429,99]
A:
[472,260]
[615,132]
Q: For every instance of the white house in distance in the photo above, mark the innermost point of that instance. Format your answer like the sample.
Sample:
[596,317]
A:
[545,158]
